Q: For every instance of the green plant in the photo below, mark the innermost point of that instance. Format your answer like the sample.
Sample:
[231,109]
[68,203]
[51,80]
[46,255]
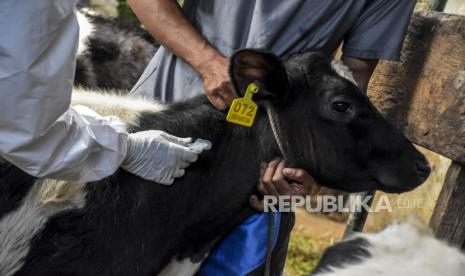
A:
[304,253]
[125,12]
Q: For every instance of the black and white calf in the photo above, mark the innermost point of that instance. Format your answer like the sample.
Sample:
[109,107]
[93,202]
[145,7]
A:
[124,225]
[402,249]
[111,55]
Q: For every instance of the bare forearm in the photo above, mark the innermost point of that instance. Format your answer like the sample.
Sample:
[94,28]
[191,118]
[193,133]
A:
[362,69]
[165,21]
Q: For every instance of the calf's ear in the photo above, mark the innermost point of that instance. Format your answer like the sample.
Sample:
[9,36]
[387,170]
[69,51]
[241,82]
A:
[262,68]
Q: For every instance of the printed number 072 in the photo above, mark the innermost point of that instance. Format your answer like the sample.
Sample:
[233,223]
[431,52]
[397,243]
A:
[244,107]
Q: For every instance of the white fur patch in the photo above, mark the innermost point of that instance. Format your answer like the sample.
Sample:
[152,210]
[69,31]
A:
[45,199]
[180,268]
[127,109]
[86,28]
[405,249]
[49,197]
[342,70]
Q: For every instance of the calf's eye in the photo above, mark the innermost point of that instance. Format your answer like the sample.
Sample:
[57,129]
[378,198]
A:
[340,106]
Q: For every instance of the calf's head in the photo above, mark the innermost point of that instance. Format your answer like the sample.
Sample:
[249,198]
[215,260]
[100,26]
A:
[329,126]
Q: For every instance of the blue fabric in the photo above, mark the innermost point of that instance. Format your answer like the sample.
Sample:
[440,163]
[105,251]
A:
[244,249]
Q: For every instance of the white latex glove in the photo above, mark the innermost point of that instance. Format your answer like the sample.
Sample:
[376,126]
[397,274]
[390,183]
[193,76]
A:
[158,156]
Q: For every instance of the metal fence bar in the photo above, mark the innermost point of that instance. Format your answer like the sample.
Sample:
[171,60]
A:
[437,5]
[357,220]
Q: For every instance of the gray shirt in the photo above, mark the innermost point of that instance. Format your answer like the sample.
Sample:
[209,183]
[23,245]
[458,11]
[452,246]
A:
[371,29]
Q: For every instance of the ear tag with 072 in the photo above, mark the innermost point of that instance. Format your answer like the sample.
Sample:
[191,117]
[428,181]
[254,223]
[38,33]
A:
[243,110]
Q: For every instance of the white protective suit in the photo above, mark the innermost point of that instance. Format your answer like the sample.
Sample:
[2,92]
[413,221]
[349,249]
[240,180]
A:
[39,132]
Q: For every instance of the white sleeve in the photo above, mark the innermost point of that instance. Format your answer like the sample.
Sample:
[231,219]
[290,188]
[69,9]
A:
[39,132]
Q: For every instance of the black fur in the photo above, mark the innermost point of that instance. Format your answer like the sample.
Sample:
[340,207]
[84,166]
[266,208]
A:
[346,252]
[115,57]
[130,226]
[133,227]
[14,186]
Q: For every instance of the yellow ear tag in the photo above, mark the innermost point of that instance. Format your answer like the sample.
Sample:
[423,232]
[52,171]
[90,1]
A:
[243,110]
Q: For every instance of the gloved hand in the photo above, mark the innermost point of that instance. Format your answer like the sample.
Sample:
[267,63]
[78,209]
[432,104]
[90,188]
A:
[158,156]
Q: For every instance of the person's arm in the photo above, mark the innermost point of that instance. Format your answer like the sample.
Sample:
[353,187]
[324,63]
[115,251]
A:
[165,21]
[362,70]
[378,33]
[39,132]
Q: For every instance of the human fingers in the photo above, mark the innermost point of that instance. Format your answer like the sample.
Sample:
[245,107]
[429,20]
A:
[279,181]
[300,176]
[268,178]
[184,153]
[200,145]
[177,140]
[183,164]
[179,173]
[256,203]
[260,186]
[226,93]
[218,102]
